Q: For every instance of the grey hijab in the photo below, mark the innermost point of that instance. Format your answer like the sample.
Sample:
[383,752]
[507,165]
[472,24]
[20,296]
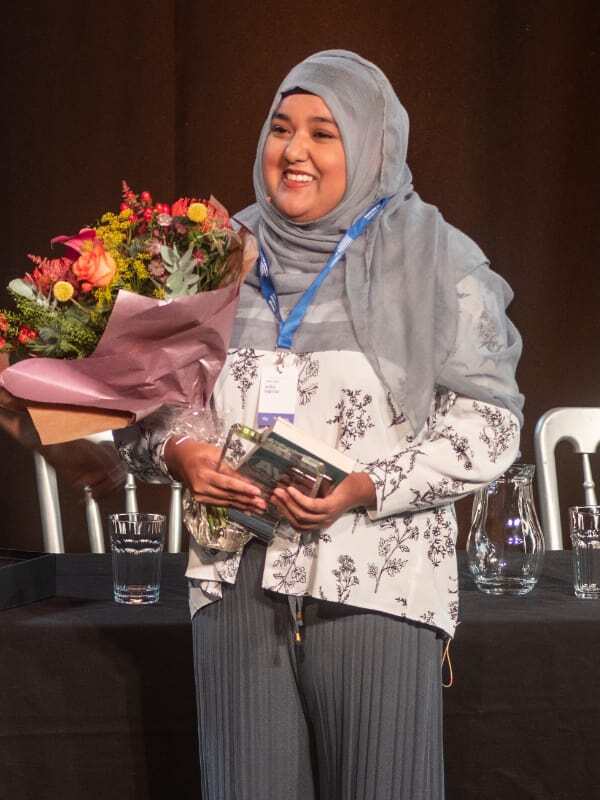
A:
[400,276]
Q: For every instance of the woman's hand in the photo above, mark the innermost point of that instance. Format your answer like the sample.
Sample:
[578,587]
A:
[311,513]
[94,465]
[81,463]
[195,465]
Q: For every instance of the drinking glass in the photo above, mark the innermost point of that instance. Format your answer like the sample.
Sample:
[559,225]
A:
[136,541]
[584,522]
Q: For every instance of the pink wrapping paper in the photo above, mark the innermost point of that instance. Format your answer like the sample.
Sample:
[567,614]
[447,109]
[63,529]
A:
[153,352]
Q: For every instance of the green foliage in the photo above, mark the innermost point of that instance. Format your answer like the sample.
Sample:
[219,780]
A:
[193,257]
[62,334]
[183,278]
[21,288]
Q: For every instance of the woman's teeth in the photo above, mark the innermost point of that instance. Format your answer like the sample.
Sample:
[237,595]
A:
[298,178]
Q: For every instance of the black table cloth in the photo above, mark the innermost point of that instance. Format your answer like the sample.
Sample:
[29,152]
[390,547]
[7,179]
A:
[98,702]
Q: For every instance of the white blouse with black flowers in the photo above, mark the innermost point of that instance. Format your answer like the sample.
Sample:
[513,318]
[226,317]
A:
[401,558]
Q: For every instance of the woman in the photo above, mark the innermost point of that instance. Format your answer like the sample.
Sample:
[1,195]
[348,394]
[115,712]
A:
[404,360]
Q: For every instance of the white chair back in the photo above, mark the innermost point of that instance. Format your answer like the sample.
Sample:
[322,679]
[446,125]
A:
[580,427]
[48,496]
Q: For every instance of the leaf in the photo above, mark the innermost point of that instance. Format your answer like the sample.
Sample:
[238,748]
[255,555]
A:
[49,335]
[174,281]
[187,260]
[22,288]
[168,255]
[175,285]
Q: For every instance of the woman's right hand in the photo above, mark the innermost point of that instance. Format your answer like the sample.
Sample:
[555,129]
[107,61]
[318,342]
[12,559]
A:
[195,465]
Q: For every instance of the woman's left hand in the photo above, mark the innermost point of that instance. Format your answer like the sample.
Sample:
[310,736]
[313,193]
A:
[312,513]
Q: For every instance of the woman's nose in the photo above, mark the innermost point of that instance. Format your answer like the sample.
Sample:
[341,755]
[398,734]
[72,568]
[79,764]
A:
[296,149]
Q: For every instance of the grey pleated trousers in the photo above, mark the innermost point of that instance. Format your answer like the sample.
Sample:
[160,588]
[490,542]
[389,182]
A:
[353,713]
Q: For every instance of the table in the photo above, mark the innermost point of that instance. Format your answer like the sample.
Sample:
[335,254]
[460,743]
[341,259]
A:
[98,703]
[98,698]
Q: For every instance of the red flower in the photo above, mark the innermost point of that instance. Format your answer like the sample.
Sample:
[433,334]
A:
[48,272]
[76,244]
[3,324]
[180,207]
[26,334]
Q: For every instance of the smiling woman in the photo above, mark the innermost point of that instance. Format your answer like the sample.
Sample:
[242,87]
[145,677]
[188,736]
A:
[318,658]
[304,163]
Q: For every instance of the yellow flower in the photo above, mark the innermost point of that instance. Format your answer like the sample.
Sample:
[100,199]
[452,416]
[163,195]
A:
[63,291]
[125,213]
[197,212]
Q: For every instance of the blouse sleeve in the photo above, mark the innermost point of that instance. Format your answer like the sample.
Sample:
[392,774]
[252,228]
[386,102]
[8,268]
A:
[141,448]
[466,443]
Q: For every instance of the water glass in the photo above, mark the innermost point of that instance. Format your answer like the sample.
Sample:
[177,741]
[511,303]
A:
[136,541]
[585,538]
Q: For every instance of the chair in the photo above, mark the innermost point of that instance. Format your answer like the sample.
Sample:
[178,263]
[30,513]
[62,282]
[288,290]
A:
[581,427]
[48,496]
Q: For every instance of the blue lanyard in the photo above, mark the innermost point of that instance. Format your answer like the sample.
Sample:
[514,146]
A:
[288,327]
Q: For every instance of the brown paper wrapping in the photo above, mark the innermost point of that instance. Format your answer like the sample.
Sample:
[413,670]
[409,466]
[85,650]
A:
[56,423]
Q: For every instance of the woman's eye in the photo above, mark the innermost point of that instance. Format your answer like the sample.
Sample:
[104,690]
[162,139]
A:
[278,129]
[323,135]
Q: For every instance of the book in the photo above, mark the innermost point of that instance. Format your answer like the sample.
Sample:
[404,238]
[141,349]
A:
[280,456]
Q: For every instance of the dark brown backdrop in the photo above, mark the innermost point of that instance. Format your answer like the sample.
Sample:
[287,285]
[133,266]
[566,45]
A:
[503,100]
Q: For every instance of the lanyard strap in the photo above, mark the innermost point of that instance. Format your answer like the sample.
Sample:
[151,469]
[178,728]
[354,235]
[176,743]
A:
[288,327]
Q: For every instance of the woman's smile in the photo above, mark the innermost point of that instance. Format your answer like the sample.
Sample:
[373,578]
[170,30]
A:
[297,180]
[304,164]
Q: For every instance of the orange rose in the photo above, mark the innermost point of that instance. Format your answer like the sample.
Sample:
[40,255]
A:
[95,266]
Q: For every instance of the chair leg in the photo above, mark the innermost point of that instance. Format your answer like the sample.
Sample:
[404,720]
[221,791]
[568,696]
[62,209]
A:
[131,505]
[548,492]
[174,539]
[589,487]
[47,487]
[94,522]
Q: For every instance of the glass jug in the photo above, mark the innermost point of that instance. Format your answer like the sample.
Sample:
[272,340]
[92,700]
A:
[505,547]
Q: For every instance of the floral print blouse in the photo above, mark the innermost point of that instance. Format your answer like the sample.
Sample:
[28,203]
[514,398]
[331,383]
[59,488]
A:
[400,557]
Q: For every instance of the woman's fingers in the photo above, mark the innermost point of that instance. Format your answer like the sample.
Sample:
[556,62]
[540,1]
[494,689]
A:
[215,488]
[205,476]
[306,508]
[310,505]
[299,517]
[216,497]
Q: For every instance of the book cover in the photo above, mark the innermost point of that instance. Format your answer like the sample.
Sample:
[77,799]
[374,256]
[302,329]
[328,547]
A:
[336,464]
[283,455]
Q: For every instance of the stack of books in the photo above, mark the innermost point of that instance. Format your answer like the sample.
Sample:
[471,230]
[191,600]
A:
[281,456]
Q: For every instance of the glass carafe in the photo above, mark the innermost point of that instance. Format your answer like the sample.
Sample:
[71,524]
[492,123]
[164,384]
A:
[505,547]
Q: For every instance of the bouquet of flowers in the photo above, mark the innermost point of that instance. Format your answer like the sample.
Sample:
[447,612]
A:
[136,313]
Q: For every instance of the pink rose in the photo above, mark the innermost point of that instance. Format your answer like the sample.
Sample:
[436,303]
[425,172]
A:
[95,266]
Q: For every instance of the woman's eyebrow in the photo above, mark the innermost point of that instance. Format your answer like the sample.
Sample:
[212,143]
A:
[324,119]
[286,118]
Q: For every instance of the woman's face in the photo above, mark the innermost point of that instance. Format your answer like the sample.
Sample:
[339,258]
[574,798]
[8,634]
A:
[304,164]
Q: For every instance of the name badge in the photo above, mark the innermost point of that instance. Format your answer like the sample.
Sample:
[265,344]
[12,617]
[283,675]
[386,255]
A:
[277,398]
